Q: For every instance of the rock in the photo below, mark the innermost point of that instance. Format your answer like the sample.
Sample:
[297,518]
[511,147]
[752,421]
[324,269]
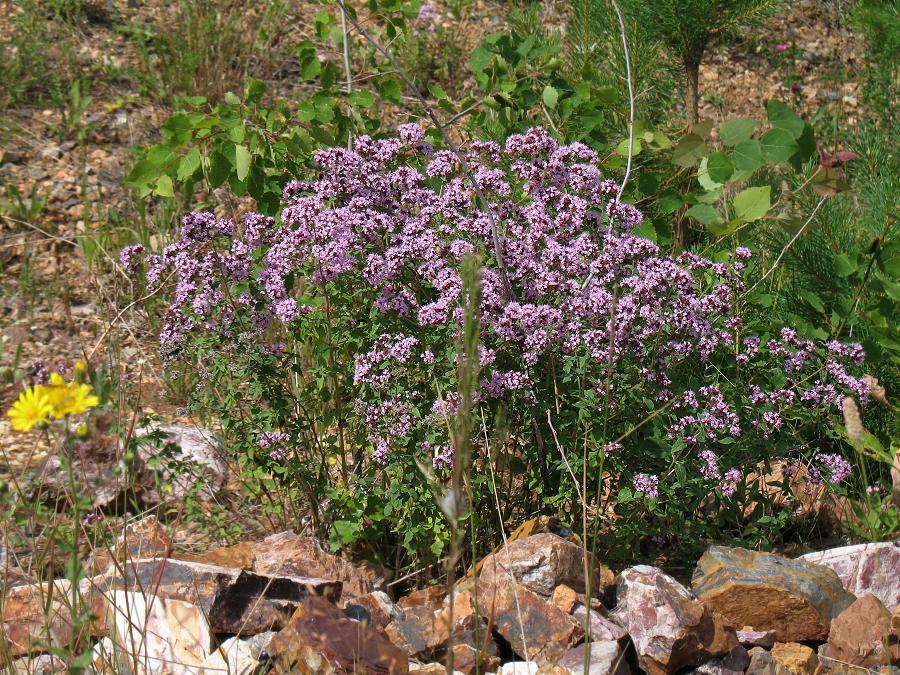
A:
[431,597]
[156,632]
[381,608]
[768,592]
[518,668]
[146,538]
[670,628]
[865,568]
[427,668]
[233,600]
[894,637]
[103,658]
[238,656]
[540,563]
[795,658]
[547,631]
[604,658]
[734,662]
[601,628]
[419,633]
[756,638]
[43,664]
[184,460]
[320,639]
[38,617]
[765,663]
[565,598]
[858,635]
[239,556]
[287,554]
[469,660]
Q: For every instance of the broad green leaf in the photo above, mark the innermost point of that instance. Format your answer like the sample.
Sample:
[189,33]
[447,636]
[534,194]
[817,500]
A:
[751,204]
[219,168]
[843,265]
[748,156]
[806,145]
[704,178]
[703,213]
[164,186]
[737,131]
[778,145]
[550,97]
[669,202]
[782,117]
[636,148]
[362,98]
[689,150]
[719,167]
[231,98]
[241,161]
[189,163]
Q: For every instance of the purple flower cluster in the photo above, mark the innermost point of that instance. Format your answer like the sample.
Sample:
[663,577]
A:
[647,485]
[130,257]
[838,467]
[563,280]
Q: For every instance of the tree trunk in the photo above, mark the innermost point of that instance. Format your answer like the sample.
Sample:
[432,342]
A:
[692,93]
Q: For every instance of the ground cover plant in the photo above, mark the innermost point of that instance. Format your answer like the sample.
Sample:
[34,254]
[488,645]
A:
[429,271]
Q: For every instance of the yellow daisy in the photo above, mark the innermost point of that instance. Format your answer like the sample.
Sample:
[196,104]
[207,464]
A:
[68,398]
[32,407]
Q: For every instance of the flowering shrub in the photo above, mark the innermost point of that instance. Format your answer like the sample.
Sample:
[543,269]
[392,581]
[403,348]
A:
[328,339]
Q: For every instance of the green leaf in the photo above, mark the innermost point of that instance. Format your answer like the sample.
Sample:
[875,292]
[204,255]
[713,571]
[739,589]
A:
[164,187]
[748,156]
[241,161]
[782,117]
[703,177]
[737,131]
[189,164]
[806,145]
[689,150]
[231,98]
[636,148]
[778,145]
[719,167]
[362,98]
[669,202]
[703,213]
[752,204]
[843,266]
[550,97]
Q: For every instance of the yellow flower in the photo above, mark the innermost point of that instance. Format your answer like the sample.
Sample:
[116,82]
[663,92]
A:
[68,398]
[32,407]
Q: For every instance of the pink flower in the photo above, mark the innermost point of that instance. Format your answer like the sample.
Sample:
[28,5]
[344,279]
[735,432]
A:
[782,47]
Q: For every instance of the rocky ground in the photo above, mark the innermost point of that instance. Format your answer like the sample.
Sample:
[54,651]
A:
[166,594]
[283,605]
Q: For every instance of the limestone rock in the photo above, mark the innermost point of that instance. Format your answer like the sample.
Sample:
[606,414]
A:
[238,656]
[768,592]
[756,638]
[734,662]
[42,664]
[894,637]
[380,607]
[420,632]
[604,658]
[540,563]
[157,632]
[859,634]
[234,600]
[468,660]
[548,631]
[565,598]
[432,597]
[185,458]
[518,668]
[670,628]
[38,617]
[865,568]
[795,658]
[600,627]
[320,639]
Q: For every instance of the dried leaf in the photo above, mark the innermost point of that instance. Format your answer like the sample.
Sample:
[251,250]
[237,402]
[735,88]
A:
[852,420]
